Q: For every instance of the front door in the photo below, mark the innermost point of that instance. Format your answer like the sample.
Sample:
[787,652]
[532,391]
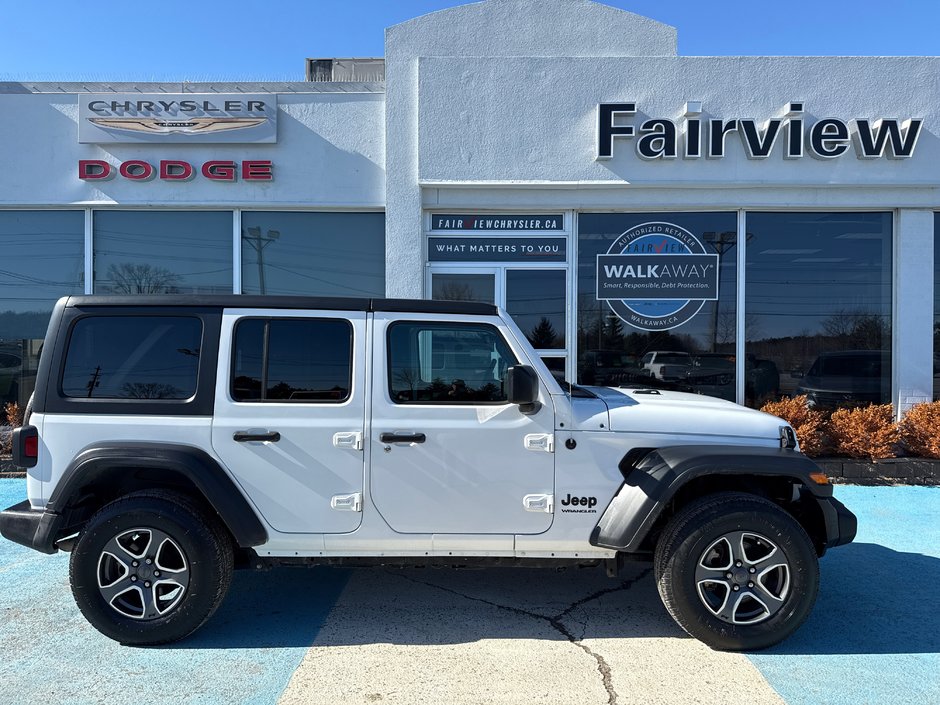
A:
[289,415]
[449,454]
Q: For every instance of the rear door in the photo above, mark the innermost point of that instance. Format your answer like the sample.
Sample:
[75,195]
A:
[289,415]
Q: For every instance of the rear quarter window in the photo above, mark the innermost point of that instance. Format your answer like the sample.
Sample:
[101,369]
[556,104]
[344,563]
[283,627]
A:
[133,357]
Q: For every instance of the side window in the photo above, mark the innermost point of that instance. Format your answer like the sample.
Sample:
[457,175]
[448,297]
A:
[447,363]
[133,357]
[292,360]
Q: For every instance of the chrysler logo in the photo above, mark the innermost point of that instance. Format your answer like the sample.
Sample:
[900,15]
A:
[188,126]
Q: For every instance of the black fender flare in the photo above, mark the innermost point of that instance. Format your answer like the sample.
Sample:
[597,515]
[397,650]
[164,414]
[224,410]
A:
[95,463]
[653,478]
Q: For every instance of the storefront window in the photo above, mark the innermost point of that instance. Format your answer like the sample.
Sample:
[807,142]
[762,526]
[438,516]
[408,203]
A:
[41,260]
[818,307]
[313,254]
[656,301]
[535,298]
[163,252]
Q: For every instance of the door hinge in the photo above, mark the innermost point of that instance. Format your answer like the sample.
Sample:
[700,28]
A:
[348,439]
[540,441]
[539,503]
[347,502]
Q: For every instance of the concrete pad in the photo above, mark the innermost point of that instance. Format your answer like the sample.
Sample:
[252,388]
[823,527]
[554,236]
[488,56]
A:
[512,636]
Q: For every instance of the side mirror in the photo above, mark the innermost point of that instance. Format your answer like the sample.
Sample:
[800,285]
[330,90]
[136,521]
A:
[522,388]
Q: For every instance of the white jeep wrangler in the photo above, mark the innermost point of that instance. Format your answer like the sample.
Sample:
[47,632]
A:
[172,439]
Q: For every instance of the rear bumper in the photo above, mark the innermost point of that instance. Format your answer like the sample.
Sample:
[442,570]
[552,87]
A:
[34,528]
[841,524]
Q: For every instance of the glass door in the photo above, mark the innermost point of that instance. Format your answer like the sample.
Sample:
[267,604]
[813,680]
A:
[536,298]
[537,301]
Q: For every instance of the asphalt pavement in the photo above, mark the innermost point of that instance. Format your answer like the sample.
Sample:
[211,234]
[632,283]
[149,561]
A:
[329,635]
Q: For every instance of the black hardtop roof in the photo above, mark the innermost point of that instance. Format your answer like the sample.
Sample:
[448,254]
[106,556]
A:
[286,302]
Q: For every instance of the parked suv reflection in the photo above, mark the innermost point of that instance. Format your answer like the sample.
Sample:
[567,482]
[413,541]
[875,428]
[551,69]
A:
[713,374]
[847,378]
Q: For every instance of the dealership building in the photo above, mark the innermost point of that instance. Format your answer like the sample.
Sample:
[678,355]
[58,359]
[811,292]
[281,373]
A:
[745,227]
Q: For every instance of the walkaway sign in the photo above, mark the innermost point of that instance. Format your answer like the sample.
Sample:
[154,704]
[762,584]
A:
[240,118]
[657,276]
[496,249]
[497,222]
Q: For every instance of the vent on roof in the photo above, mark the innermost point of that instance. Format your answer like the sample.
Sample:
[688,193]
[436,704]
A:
[348,70]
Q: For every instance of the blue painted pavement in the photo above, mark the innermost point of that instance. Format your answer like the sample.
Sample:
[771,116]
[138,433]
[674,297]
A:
[245,654]
[874,636]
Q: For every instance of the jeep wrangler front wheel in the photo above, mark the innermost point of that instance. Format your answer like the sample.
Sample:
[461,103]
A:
[150,568]
[736,571]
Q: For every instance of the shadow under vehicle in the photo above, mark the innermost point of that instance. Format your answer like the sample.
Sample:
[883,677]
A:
[846,378]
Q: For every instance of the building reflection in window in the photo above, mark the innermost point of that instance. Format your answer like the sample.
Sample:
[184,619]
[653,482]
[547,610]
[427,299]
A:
[313,254]
[42,260]
[818,304]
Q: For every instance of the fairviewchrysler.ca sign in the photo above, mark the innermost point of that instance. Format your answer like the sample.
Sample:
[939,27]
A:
[194,118]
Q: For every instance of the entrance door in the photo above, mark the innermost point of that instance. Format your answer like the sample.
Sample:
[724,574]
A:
[535,297]
[289,416]
[449,453]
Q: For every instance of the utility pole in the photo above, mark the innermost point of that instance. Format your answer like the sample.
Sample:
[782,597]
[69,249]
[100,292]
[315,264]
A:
[258,242]
[94,381]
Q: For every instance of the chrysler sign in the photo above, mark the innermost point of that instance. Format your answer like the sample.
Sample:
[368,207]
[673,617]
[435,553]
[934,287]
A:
[210,118]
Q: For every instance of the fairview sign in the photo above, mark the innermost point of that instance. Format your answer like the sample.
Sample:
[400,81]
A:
[789,137]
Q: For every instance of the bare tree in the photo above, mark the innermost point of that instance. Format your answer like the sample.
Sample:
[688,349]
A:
[150,390]
[131,278]
[453,291]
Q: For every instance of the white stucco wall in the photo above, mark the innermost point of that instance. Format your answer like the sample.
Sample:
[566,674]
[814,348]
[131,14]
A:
[330,152]
[495,28]
[535,119]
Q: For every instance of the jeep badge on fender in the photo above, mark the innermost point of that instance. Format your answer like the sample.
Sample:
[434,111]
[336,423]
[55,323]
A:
[171,439]
[589,502]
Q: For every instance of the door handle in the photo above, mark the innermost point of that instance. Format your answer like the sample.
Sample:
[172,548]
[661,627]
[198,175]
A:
[243,436]
[403,438]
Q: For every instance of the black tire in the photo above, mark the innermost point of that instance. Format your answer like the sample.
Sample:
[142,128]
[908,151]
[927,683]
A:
[179,538]
[773,569]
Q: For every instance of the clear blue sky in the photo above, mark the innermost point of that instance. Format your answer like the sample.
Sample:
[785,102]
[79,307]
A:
[252,40]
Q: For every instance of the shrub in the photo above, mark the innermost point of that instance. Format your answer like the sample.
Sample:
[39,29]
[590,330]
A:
[809,424]
[920,430]
[865,432]
[14,417]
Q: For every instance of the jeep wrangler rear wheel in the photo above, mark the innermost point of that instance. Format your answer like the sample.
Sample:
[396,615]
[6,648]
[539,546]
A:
[736,571]
[150,568]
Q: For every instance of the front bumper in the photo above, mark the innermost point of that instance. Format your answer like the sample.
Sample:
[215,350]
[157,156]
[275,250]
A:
[841,525]
[34,528]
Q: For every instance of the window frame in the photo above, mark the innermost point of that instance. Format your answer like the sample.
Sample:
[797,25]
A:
[441,324]
[73,328]
[264,360]
[50,396]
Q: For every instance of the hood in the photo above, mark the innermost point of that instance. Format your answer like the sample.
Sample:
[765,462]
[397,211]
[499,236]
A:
[676,413]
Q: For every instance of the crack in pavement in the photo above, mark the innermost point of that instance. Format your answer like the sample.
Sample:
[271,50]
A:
[554,620]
